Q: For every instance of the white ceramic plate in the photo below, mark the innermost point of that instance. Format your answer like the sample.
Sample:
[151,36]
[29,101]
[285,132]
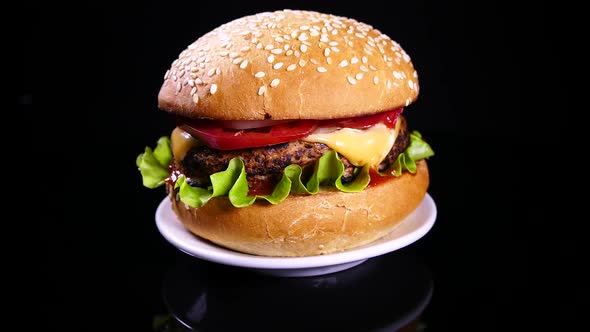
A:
[410,230]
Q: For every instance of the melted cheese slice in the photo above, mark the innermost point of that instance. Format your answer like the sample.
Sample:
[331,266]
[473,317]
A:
[181,142]
[360,147]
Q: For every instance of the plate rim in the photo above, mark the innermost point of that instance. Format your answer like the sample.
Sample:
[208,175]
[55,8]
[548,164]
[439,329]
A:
[169,224]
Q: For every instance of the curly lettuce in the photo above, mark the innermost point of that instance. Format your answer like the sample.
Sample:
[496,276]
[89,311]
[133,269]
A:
[406,161]
[232,182]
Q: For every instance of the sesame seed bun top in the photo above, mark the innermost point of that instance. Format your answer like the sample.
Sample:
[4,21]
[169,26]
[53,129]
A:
[289,65]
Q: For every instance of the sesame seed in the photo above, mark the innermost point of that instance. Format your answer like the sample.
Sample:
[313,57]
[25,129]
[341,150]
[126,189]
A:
[259,74]
[350,43]
[354,60]
[407,101]
[297,54]
[351,80]
[411,84]
[245,49]
[233,55]
[259,46]
[326,52]
[222,53]
[329,60]
[294,33]
[359,35]
[365,59]
[196,98]
[372,67]
[389,84]
[314,61]
[237,61]
[359,76]
[375,79]
[261,90]
[289,52]
[193,90]
[178,87]
[364,68]
[303,36]
[191,82]
[397,75]
[270,59]
[286,47]
[269,47]
[244,64]
[291,67]
[277,65]
[279,40]
[334,32]
[322,69]
[302,63]
[324,39]
[277,51]
[304,27]
[198,81]
[314,33]
[406,58]
[275,82]
[175,78]
[213,88]
[415,74]
[217,71]
[343,63]
[167,74]
[303,48]
[333,43]
[211,72]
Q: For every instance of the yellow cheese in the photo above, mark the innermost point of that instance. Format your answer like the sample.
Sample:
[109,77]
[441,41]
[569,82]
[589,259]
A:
[181,142]
[359,146]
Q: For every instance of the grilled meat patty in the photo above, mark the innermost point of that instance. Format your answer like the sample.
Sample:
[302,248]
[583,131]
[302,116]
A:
[267,163]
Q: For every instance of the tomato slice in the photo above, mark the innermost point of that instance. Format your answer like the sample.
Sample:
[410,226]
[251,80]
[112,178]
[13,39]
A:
[362,122]
[233,139]
[233,135]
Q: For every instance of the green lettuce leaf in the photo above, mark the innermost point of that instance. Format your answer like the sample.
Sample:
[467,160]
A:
[153,165]
[406,161]
[163,152]
[232,182]
[191,196]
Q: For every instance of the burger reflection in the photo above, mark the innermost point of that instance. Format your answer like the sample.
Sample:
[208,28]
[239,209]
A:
[388,293]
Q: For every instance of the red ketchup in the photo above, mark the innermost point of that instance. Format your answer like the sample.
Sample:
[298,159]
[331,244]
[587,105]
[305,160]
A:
[377,179]
[260,188]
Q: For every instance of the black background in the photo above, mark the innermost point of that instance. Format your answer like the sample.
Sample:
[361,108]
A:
[103,256]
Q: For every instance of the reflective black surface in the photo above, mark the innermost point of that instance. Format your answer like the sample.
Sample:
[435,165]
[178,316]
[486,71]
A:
[385,293]
[107,267]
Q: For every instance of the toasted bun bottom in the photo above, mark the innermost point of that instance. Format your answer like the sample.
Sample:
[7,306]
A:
[304,225]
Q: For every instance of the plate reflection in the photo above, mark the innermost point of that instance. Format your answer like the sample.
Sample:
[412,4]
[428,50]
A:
[387,293]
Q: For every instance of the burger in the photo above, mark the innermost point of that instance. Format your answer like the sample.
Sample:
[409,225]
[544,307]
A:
[290,138]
